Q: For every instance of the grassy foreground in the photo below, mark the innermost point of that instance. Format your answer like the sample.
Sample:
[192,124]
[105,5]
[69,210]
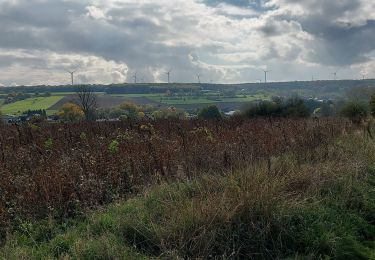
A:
[316,208]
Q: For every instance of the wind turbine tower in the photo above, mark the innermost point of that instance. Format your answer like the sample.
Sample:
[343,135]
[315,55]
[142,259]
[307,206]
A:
[135,77]
[169,75]
[265,75]
[199,78]
[334,75]
[72,75]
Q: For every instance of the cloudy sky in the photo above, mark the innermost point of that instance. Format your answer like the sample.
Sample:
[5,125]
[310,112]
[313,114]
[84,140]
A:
[224,41]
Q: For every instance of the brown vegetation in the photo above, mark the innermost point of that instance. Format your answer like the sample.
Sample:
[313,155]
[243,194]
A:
[57,170]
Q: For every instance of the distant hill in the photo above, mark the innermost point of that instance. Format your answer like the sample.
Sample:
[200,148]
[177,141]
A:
[324,89]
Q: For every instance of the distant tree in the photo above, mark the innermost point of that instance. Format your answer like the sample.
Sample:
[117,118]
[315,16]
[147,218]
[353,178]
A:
[293,107]
[325,110]
[71,112]
[131,109]
[38,113]
[372,105]
[87,100]
[355,111]
[360,93]
[264,109]
[169,113]
[210,112]
[14,97]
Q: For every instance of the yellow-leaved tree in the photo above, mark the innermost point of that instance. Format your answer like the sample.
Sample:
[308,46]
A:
[71,112]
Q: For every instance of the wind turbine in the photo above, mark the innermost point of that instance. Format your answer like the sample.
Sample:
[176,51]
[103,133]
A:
[135,77]
[169,74]
[72,75]
[199,78]
[265,75]
[335,75]
[363,76]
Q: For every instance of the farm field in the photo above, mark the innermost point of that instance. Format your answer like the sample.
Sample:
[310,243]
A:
[275,188]
[136,95]
[188,100]
[37,103]
[53,103]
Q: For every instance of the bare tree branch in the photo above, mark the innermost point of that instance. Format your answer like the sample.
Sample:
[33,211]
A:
[87,100]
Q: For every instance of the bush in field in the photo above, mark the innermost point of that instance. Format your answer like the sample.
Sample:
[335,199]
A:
[210,112]
[325,110]
[130,110]
[71,112]
[114,147]
[37,119]
[170,113]
[355,111]
[264,109]
[127,110]
[48,144]
[293,107]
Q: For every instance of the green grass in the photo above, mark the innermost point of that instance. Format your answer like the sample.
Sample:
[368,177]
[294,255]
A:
[318,206]
[188,100]
[30,103]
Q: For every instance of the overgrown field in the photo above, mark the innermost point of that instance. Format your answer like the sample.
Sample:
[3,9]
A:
[58,170]
[230,190]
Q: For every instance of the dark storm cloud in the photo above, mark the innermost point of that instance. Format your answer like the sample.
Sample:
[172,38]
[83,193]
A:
[340,40]
[345,45]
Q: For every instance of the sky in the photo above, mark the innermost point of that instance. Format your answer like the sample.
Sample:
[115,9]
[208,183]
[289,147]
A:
[231,41]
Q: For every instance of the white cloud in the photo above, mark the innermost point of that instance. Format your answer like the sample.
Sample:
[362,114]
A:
[228,42]
[95,12]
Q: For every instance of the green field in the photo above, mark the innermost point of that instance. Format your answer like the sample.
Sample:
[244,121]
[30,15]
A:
[36,103]
[31,103]
[188,100]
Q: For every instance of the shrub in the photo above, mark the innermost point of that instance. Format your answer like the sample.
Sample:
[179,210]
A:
[263,109]
[114,147]
[293,107]
[170,113]
[355,111]
[210,112]
[71,112]
[48,144]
